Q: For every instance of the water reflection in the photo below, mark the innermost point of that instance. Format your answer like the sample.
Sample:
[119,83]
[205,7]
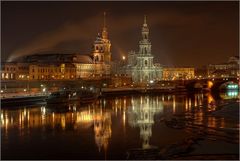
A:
[100,118]
[230,94]
[141,115]
[102,128]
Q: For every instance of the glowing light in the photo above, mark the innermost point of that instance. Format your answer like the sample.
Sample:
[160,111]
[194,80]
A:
[210,84]
[123,57]
[232,94]
[1,91]
[174,104]
[124,118]
[2,117]
[151,81]
[24,89]
[232,86]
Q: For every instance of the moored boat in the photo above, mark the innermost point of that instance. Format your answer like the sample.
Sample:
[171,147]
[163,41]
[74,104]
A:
[68,96]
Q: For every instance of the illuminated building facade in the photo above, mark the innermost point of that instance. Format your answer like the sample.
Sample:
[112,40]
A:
[14,71]
[229,69]
[140,65]
[49,71]
[178,73]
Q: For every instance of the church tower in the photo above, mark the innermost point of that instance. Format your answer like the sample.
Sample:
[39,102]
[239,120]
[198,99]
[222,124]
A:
[145,44]
[145,68]
[106,41]
[102,46]
[140,64]
[98,50]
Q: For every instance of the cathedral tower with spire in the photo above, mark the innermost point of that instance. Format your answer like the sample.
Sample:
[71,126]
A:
[142,69]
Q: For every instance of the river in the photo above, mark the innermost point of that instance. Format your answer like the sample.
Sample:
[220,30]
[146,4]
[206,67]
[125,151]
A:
[108,128]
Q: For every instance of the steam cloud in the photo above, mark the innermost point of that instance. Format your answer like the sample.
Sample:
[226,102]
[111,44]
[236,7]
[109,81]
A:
[82,30]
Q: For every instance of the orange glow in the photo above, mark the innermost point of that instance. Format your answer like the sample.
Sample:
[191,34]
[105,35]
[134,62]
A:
[210,84]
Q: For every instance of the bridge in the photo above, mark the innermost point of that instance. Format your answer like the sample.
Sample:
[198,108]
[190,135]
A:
[210,83]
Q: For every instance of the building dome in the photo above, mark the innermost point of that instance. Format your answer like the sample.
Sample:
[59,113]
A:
[84,59]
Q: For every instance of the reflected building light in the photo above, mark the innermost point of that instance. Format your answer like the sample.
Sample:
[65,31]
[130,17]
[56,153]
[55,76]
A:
[6,123]
[116,102]
[222,123]
[23,116]
[25,112]
[63,122]
[132,100]
[211,122]
[190,103]
[124,103]
[210,98]
[186,105]
[20,121]
[143,117]
[43,110]
[195,100]
[124,118]
[28,115]
[174,104]
[104,103]
[2,120]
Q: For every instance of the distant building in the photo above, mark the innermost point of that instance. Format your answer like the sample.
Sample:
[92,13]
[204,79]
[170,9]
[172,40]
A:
[52,72]
[140,65]
[14,71]
[96,65]
[177,73]
[228,69]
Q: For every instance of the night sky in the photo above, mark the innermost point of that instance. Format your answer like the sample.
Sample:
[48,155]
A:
[182,33]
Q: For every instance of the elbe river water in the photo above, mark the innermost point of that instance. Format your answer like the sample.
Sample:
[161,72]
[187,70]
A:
[106,129]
